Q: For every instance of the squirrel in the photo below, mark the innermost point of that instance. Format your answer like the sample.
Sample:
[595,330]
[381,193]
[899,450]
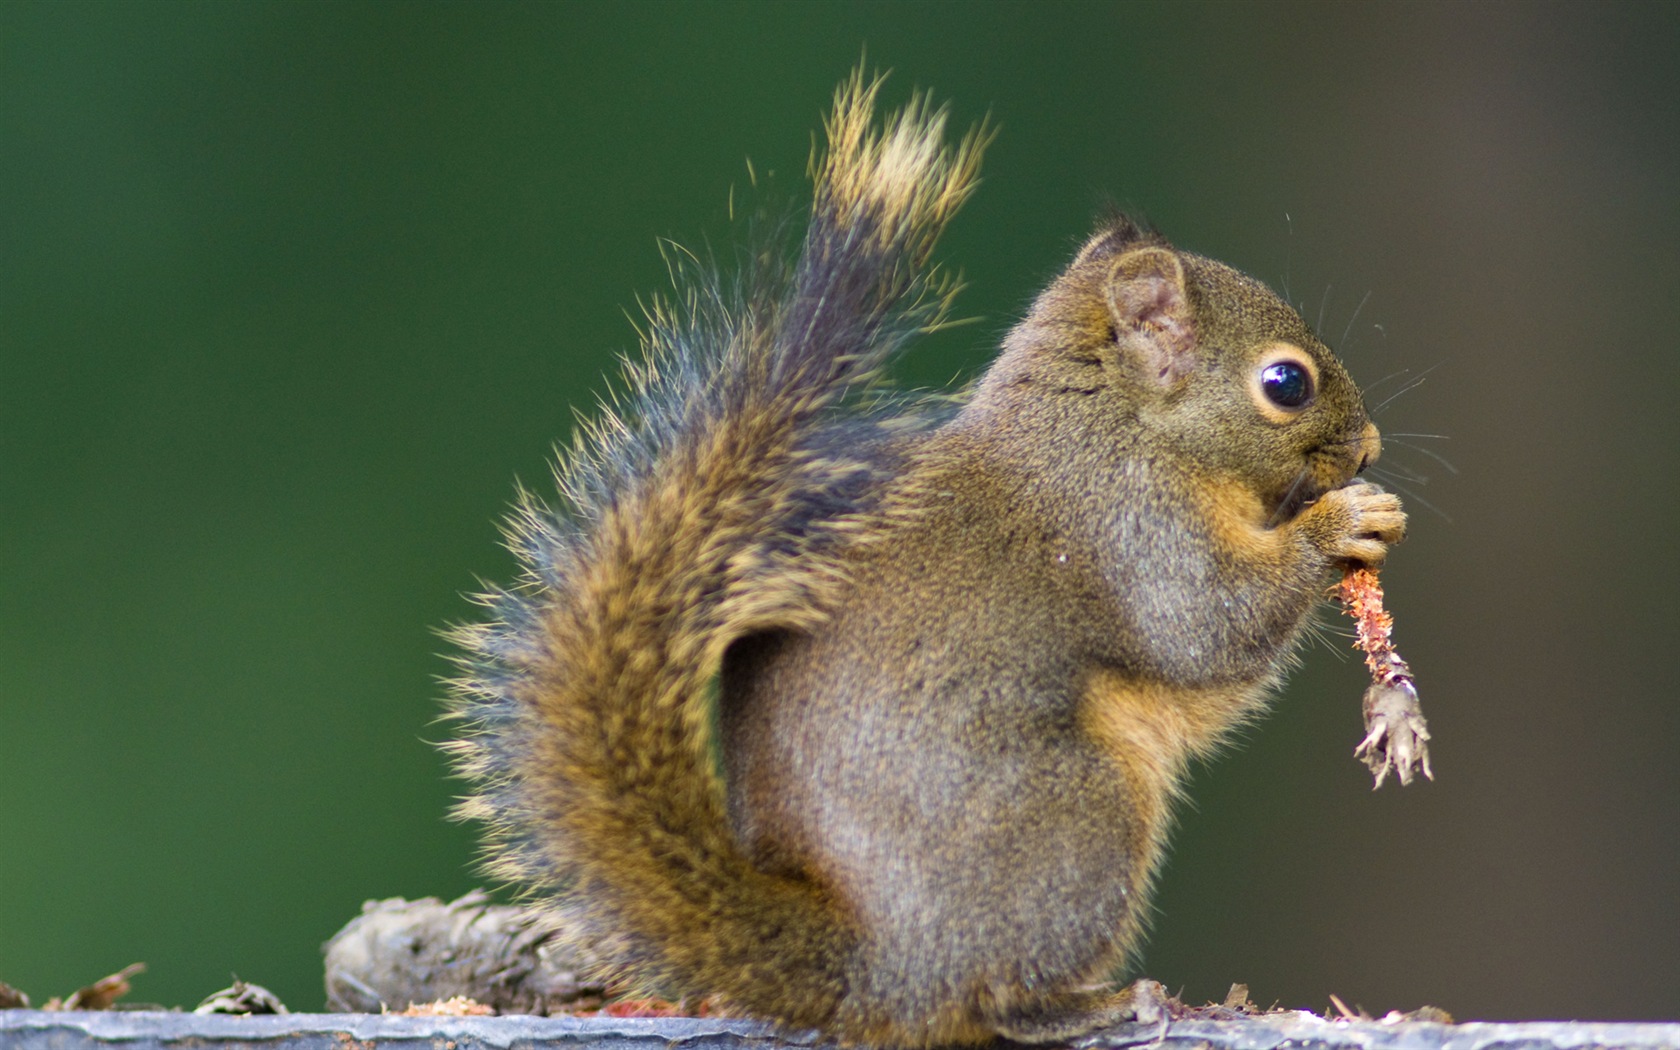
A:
[866,713]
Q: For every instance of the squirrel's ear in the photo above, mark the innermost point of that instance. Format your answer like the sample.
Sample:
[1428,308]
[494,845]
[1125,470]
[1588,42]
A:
[1150,306]
[1116,235]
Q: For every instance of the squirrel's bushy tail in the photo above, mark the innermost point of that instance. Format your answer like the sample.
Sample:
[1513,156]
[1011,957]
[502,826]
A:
[708,504]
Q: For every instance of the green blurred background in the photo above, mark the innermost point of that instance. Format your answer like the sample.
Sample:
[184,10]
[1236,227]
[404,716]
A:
[291,294]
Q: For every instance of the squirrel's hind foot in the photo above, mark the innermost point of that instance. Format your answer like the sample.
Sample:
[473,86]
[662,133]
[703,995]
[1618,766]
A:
[1143,1002]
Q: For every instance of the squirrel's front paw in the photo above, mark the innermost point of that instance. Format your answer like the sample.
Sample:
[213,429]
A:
[1367,520]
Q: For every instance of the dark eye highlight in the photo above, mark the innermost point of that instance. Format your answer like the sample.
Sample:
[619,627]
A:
[1286,384]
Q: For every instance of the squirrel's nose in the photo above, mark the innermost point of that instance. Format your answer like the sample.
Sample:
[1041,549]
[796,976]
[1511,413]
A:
[1370,446]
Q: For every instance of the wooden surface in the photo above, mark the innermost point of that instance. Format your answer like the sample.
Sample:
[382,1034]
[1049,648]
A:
[138,1030]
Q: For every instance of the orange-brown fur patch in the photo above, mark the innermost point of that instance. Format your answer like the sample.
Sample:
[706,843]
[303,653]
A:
[1151,732]
[1238,520]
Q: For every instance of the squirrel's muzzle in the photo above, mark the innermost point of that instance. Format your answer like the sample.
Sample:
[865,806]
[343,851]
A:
[1370,446]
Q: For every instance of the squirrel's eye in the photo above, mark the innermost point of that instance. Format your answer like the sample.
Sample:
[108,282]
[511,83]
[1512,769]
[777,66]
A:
[1286,384]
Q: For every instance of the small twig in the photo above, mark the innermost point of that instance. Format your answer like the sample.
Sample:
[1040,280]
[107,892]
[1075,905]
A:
[100,994]
[1396,735]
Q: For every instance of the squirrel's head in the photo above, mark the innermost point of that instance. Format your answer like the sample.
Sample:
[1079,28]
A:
[1186,356]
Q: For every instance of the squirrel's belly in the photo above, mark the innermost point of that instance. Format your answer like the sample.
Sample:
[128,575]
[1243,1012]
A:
[1151,732]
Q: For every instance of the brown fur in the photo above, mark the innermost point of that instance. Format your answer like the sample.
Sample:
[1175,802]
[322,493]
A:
[873,725]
